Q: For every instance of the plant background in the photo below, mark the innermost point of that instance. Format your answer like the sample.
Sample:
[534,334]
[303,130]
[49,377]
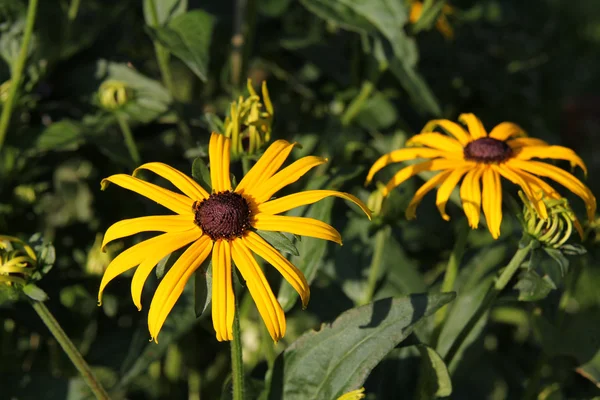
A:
[534,63]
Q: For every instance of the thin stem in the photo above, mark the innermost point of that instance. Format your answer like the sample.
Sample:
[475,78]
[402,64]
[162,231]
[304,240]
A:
[237,44]
[376,262]
[17,71]
[69,348]
[237,364]
[73,10]
[357,103]
[129,141]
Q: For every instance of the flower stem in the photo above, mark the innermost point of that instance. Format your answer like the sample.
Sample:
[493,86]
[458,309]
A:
[17,71]
[380,239]
[129,141]
[357,103]
[237,364]
[487,302]
[70,349]
[244,23]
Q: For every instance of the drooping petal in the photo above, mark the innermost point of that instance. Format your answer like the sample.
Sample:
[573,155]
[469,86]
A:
[562,177]
[218,154]
[536,198]
[553,152]
[171,243]
[290,273]
[223,299]
[173,201]
[266,166]
[445,190]
[286,203]
[452,128]
[155,223]
[506,130]
[470,195]
[492,201]
[436,141]
[524,142]
[474,124]
[408,154]
[422,191]
[173,283]
[181,181]
[297,225]
[286,176]
[269,308]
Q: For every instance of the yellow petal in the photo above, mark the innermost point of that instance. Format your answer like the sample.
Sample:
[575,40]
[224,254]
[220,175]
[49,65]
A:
[266,98]
[286,203]
[492,201]
[156,223]
[475,126]
[409,154]
[432,165]
[422,191]
[218,154]
[172,242]
[181,181]
[297,225]
[523,142]
[517,179]
[290,273]
[171,200]
[553,152]
[452,128]
[562,177]
[266,166]
[268,306]
[173,283]
[443,193]
[436,141]
[286,176]
[505,130]
[223,299]
[470,195]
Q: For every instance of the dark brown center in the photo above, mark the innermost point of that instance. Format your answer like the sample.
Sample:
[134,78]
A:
[224,215]
[487,150]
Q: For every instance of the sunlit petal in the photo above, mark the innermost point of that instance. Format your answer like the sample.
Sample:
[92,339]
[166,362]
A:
[492,201]
[452,128]
[445,190]
[474,124]
[223,299]
[506,130]
[470,195]
[308,197]
[266,166]
[553,152]
[218,154]
[157,223]
[423,190]
[524,142]
[436,141]
[536,198]
[181,181]
[297,225]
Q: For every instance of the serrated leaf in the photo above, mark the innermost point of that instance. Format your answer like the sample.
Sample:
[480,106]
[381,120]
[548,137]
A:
[34,292]
[533,287]
[202,288]
[436,379]
[339,357]
[188,37]
[201,174]
[279,241]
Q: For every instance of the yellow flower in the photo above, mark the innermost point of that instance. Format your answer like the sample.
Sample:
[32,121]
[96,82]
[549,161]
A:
[353,395]
[17,261]
[222,222]
[442,24]
[479,157]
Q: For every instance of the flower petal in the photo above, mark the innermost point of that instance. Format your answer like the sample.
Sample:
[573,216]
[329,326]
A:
[269,308]
[173,283]
[553,152]
[286,203]
[470,195]
[422,191]
[173,201]
[266,166]
[297,225]
[155,223]
[436,141]
[286,176]
[181,181]
[290,273]
[505,130]
[492,201]
[408,154]
[452,128]
[218,154]
[223,299]
[525,142]
[171,243]
[536,198]
[474,124]
[443,193]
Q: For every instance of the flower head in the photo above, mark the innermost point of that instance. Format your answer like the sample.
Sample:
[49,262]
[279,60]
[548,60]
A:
[442,24]
[480,160]
[114,94]
[17,261]
[222,223]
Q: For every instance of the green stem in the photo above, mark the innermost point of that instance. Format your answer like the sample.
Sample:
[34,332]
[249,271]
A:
[17,71]
[357,103]
[268,346]
[73,10]
[69,348]
[487,302]
[376,262]
[129,141]
[237,364]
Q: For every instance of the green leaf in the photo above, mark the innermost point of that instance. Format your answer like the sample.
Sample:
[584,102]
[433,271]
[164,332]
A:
[573,249]
[202,287]
[201,173]
[165,10]
[560,259]
[34,292]
[167,262]
[188,36]
[533,287]
[339,357]
[279,241]
[429,15]
[436,379]
[61,135]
